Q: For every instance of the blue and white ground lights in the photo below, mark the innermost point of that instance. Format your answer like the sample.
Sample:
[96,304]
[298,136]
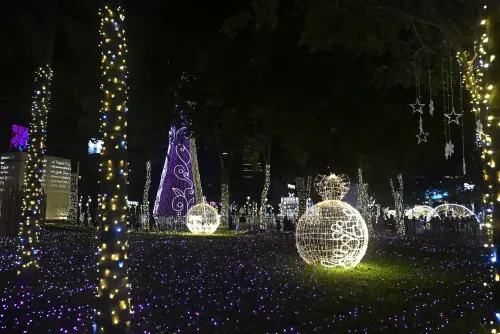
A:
[253,284]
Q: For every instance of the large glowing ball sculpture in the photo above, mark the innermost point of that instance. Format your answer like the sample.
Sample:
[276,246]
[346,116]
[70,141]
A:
[332,233]
[202,219]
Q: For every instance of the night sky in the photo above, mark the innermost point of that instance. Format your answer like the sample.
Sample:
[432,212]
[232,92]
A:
[362,122]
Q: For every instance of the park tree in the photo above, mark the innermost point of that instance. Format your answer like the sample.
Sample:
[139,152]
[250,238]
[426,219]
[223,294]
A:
[33,198]
[113,307]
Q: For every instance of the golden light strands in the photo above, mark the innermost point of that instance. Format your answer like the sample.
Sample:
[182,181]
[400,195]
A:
[33,197]
[113,307]
[478,77]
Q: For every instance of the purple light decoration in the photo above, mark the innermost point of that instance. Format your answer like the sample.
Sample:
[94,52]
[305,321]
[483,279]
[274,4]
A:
[19,138]
[176,193]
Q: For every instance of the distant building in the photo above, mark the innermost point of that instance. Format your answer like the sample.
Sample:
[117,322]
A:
[250,169]
[289,206]
[56,181]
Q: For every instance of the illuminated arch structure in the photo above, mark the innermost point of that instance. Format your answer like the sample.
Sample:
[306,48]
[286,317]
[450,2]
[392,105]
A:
[418,211]
[456,210]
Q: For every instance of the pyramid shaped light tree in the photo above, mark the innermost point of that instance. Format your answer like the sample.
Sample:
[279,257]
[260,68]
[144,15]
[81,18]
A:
[180,186]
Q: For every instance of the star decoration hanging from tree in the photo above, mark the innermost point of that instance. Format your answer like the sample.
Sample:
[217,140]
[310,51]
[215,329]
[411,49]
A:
[417,106]
[431,107]
[421,136]
[449,149]
[453,117]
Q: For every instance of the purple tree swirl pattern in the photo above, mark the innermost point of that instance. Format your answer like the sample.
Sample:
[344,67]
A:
[176,194]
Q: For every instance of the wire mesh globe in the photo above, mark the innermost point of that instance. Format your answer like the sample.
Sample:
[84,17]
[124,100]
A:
[202,219]
[332,233]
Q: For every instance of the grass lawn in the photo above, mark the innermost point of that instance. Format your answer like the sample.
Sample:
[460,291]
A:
[251,283]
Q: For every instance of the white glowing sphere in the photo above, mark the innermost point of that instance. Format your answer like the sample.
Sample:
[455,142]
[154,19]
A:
[202,218]
[332,234]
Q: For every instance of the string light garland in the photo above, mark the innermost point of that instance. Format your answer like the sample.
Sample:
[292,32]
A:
[398,205]
[479,78]
[333,233]
[33,197]
[113,307]
[364,201]
[73,200]
[263,196]
[145,198]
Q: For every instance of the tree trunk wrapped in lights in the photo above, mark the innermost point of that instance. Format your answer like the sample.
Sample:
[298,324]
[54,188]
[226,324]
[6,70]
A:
[145,198]
[263,197]
[364,201]
[33,194]
[300,185]
[224,189]
[73,200]
[30,228]
[399,205]
[481,73]
[113,306]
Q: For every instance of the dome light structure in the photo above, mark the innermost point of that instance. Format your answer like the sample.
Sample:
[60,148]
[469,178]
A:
[332,233]
[202,219]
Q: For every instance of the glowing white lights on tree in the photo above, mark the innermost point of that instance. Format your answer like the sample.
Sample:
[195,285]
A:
[81,212]
[332,233]
[73,200]
[263,197]
[196,172]
[398,205]
[203,219]
[33,196]
[87,211]
[309,181]
[364,200]
[145,198]
[300,186]
[225,204]
[450,209]
[113,287]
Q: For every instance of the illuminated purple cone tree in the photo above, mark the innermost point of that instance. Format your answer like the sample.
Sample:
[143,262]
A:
[177,190]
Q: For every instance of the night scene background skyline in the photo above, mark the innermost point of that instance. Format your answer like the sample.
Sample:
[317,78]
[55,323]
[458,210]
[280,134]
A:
[360,119]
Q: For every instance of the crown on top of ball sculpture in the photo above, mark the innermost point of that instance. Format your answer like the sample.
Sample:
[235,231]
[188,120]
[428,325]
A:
[332,187]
